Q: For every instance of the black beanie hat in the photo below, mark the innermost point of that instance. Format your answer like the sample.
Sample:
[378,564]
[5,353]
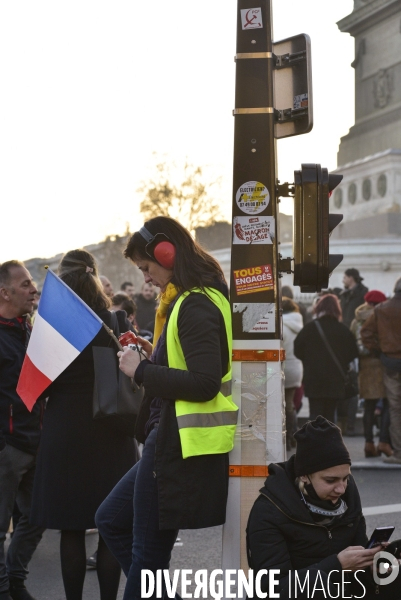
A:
[319,446]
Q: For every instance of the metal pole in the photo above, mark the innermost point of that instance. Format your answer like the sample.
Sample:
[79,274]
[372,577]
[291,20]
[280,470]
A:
[255,291]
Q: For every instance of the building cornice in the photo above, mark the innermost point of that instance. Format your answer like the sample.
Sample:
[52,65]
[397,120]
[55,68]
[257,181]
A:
[364,17]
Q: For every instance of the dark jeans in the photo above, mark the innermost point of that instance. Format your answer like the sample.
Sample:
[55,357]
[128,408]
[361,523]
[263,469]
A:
[369,421]
[346,411]
[128,521]
[17,471]
[323,406]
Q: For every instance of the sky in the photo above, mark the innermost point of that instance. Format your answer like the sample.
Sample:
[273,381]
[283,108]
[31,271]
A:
[90,90]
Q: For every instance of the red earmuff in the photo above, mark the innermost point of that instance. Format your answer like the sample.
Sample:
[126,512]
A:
[164,253]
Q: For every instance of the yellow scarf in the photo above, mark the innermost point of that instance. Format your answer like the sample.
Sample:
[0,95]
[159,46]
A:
[165,300]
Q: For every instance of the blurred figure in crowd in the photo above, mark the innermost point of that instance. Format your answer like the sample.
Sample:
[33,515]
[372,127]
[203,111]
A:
[122,301]
[292,325]
[80,459]
[19,431]
[323,381]
[352,296]
[128,288]
[371,385]
[286,291]
[146,305]
[382,332]
[107,287]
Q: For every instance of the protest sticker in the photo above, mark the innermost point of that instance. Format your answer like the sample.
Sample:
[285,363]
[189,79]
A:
[252,197]
[253,230]
[257,318]
[251,18]
[253,279]
[301,101]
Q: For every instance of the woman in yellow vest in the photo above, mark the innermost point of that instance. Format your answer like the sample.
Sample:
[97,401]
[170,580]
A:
[187,419]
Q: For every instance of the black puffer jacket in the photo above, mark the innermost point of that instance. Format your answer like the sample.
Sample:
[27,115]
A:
[20,427]
[281,533]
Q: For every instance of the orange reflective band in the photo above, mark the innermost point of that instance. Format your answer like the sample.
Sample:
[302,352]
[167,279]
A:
[248,471]
[259,355]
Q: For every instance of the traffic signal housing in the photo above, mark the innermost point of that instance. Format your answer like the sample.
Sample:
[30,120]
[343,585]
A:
[313,224]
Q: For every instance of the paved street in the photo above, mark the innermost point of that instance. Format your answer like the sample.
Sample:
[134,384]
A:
[202,549]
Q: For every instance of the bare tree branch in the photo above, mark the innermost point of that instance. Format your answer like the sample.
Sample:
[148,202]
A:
[182,192]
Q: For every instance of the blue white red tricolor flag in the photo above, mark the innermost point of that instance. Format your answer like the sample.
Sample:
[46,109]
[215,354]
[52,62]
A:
[64,326]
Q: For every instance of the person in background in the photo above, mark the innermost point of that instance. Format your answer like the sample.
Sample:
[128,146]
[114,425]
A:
[308,522]
[371,385]
[352,296]
[146,305]
[80,459]
[128,288]
[122,301]
[107,287]
[286,291]
[19,431]
[292,325]
[324,383]
[382,333]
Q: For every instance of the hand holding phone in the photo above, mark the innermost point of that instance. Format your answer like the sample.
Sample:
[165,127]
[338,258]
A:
[380,535]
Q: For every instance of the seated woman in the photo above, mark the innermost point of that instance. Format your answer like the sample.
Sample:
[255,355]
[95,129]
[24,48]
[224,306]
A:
[308,524]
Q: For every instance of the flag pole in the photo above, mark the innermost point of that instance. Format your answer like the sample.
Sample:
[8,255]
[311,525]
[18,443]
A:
[111,334]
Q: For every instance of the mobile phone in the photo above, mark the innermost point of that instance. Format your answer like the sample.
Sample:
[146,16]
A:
[380,534]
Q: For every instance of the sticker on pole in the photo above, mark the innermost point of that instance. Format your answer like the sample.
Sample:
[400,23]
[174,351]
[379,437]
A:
[251,18]
[253,279]
[252,197]
[257,318]
[253,230]
[301,101]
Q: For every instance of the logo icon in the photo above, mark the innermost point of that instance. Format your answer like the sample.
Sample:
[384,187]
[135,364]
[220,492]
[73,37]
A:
[388,568]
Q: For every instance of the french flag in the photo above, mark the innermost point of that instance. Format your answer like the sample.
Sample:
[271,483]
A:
[64,326]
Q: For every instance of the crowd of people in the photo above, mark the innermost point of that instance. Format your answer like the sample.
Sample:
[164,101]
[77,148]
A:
[344,352]
[85,475]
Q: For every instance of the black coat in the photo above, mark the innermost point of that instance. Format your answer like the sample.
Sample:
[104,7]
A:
[80,460]
[192,492]
[281,533]
[350,300]
[322,378]
[145,312]
[20,427]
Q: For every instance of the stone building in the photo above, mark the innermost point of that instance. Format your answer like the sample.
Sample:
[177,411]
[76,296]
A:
[369,156]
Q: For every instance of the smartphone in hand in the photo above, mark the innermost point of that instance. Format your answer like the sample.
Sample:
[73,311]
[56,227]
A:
[380,534]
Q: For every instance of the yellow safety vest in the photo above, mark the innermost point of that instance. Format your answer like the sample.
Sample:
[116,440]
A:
[204,427]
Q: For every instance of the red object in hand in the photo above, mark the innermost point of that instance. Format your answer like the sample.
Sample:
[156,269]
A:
[127,338]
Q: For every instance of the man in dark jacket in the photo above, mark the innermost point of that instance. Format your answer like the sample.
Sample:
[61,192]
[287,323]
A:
[382,333]
[352,296]
[146,307]
[19,431]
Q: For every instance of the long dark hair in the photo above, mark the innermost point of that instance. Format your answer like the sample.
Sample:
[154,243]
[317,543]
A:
[193,266]
[78,269]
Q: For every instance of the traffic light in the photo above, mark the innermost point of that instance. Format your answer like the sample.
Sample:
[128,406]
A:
[313,225]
